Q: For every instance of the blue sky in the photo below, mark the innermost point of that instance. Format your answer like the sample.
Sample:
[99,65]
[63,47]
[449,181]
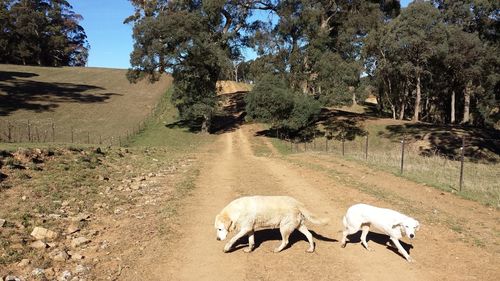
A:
[111,40]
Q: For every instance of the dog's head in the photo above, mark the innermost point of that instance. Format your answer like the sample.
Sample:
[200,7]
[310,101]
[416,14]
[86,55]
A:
[409,227]
[222,226]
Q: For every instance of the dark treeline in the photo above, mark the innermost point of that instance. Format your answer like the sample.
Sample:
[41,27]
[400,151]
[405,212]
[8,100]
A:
[434,61]
[41,32]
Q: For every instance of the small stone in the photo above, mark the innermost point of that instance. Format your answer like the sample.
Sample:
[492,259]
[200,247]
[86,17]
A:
[49,272]
[43,233]
[37,272]
[52,244]
[80,269]
[81,217]
[38,245]
[76,256]
[66,275]
[72,228]
[12,278]
[65,203]
[151,175]
[23,263]
[79,242]
[59,255]
[2,222]
[24,198]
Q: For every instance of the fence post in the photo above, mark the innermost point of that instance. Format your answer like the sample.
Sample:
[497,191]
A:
[462,163]
[343,146]
[72,135]
[100,139]
[9,132]
[402,153]
[366,147]
[314,141]
[53,133]
[291,145]
[120,141]
[29,131]
[305,144]
[88,137]
[326,144]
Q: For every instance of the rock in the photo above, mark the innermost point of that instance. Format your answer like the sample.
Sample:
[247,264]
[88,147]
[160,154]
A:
[102,178]
[80,269]
[2,222]
[77,242]
[65,276]
[72,228]
[12,278]
[76,256]
[65,203]
[52,244]
[23,263]
[59,255]
[43,233]
[49,273]
[151,175]
[81,217]
[38,245]
[24,198]
[37,272]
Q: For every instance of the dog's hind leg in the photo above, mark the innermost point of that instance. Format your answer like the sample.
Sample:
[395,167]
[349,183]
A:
[285,231]
[364,233]
[233,240]
[401,250]
[309,237]
[251,242]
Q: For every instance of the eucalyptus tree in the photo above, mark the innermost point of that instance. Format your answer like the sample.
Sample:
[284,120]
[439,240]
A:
[194,40]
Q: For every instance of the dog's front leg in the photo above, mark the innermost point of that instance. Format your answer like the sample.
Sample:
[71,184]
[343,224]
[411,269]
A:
[251,242]
[401,250]
[233,240]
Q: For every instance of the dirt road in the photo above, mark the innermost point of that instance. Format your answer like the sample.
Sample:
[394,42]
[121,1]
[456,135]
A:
[231,169]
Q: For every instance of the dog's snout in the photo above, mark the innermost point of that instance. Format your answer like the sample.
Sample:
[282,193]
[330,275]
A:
[218,239]
[412,235]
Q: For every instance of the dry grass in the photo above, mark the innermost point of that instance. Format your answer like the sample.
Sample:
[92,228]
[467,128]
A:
[98,103]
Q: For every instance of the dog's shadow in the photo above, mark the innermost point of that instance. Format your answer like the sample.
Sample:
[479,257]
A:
[381,239]
[275,235]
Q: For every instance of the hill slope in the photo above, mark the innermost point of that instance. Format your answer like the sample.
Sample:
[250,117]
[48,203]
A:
[98,103]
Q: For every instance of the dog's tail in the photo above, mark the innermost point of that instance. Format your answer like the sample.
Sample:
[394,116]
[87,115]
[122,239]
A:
[313,218]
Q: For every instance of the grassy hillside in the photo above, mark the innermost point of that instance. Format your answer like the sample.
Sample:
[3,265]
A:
[98,103]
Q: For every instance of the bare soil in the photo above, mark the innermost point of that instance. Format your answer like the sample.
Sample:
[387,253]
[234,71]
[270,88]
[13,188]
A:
[458,240]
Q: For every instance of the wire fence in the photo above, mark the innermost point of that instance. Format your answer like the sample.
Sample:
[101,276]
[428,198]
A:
[460,170]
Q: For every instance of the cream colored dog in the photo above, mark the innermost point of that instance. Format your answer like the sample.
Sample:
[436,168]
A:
[252,213]
[387,221]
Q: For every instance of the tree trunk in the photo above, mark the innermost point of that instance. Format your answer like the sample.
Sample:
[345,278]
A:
[393,109]
[403,100]
[205,125]
[417,100]
[467,94]
[352,90]
[452,115]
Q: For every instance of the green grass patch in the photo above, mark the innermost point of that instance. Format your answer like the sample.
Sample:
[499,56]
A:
[160,130]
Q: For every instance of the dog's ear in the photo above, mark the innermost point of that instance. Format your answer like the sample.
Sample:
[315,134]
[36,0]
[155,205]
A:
[226,220]
[417,227]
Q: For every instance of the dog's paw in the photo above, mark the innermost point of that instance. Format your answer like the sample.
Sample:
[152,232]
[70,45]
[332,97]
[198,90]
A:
[310,250]
[410,259]
[276,250]
[248,250]
[343,245]
[227,248]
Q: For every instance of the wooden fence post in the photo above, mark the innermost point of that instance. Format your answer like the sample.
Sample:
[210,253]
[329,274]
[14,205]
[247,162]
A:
[462,152]
[402,153]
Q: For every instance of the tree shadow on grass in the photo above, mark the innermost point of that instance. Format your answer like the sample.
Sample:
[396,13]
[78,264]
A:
[22,94]
[230,118]
[262,236]
[481,144]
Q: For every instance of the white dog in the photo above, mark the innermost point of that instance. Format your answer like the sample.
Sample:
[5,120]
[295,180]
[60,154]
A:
[262,212]
[390,222]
